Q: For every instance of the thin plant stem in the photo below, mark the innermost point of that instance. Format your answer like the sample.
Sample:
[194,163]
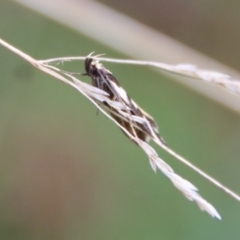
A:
[97,96]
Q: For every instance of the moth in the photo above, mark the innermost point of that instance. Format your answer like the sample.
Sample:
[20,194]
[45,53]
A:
[103,79]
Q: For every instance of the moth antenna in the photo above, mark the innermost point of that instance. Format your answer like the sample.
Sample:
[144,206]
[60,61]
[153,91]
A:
[90,54]
[102,54]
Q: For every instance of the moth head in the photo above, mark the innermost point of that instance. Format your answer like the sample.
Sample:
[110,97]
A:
[92,66]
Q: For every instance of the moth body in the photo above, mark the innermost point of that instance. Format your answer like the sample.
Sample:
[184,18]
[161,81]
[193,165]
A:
[103,79]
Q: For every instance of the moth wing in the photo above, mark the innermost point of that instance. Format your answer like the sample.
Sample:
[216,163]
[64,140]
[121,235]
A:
[120,92]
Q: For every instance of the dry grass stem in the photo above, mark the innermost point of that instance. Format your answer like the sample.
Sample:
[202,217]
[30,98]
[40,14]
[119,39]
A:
[187,70]
[98,97]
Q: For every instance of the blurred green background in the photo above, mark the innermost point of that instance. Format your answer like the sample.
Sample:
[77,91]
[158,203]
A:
[67,173]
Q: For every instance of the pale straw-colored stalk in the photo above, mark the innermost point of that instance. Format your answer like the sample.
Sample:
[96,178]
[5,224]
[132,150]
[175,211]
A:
[97,96]
[185,69]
